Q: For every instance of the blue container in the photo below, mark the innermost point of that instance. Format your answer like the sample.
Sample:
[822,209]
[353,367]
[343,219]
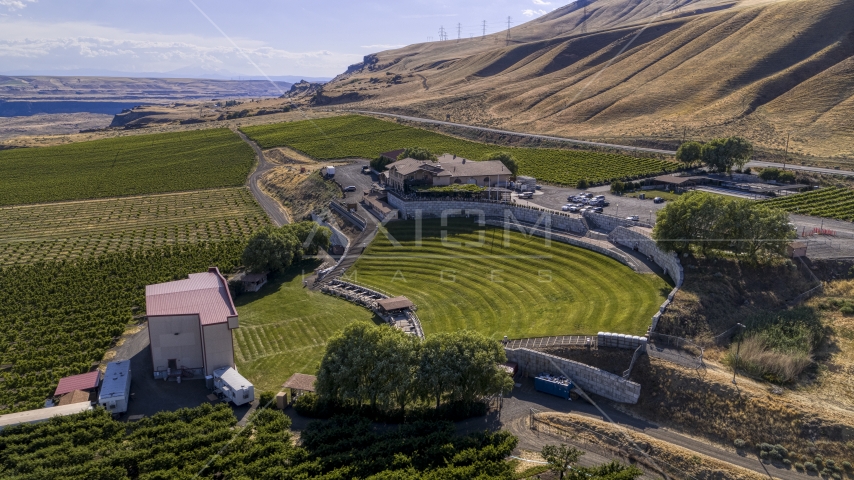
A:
[552,387]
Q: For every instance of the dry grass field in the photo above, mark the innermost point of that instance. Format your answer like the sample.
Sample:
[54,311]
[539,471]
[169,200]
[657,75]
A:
[759,68]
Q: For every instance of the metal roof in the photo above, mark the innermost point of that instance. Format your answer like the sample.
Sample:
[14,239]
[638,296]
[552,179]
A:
[203,294]
[232,378]
[451,166]
[395,303]
[85,381]
[301,381]
[42,414]
[115,380]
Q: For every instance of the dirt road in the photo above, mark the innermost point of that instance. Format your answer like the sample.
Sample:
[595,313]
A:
[273,209]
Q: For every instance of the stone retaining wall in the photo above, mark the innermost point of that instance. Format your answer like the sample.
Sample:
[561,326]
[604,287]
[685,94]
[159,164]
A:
[619,340]
[610,222]
[669,262]
[590,379]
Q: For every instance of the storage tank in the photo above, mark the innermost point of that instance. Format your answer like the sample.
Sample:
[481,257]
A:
[233,386]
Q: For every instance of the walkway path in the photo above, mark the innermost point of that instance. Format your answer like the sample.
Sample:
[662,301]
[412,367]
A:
[272,207]
[564,340]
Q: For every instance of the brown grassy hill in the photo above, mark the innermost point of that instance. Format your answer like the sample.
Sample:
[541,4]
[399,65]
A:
[759,68]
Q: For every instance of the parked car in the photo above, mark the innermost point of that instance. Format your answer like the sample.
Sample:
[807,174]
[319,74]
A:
[573,209]
[605,203]
[633,218]
[598,209]
[599,197]
[657,200]
[350,188]
[538,187]
[587,195]
[526,195]
[565,208]
[366,169]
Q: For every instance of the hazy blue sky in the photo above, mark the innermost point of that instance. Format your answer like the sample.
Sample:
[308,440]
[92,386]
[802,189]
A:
[284,37]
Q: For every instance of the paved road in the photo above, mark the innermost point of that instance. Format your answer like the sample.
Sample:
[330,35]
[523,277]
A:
[600,144]
[831,171]
[516,409]
[528,135]
[271,206]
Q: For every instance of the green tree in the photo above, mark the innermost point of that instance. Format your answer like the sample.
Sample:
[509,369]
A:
[582,183]
[609,471]
[312,237]
[345,373]
[690,153]
[418,153]
[713,222]
[271,249]
[560,458]
[617,187]
[506,158]
[725,154]
[380,163]
[770,173]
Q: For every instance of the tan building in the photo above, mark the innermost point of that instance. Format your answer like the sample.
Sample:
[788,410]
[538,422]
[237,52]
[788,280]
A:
[190,324]
[447,170]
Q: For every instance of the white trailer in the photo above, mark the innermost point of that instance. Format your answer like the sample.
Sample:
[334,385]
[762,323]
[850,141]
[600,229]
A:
[232,386]
[328,171]
[115,388]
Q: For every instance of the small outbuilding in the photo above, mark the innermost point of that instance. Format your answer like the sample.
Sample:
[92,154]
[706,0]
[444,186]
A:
[796,249]
[85,381]
[77,396]
[115,390]
[252,282]
[300,384]
[389,305]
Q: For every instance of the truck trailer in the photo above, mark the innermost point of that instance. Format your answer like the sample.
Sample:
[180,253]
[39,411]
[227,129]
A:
[232,386]
[115,388]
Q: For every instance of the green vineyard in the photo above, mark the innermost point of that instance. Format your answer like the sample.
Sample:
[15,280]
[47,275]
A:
[70,230]
[59,317]
[357,136]
[133,165]
[831,202]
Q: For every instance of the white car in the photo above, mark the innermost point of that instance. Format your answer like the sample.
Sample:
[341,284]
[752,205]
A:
[633,218]
[565,208]
[573,209]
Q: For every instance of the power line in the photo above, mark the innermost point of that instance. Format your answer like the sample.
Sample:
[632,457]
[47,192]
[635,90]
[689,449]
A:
[442,35]
[509,21]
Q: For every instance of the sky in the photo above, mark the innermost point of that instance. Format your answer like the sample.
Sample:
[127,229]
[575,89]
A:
[312,38]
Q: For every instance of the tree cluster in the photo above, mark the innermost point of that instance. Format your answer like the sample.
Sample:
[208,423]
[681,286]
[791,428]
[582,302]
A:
[506,158]
[418,153]
[782,176]
[705,222]
[619,187]
[388,370]
[562,461]
[718,155]
[274,249]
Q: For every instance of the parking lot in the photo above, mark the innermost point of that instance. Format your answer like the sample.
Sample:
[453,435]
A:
[351,175]
[619,206]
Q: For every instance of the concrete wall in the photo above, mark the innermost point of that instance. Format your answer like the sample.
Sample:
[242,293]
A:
[219,347]
[177,337]
[609,222]
[620,340]
[632,238]
[590,379]
[436,208]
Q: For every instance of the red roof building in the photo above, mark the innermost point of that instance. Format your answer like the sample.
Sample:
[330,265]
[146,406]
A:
[85,381]
[190,323]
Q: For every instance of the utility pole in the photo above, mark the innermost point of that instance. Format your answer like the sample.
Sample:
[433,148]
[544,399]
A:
[459,29]
[786,157]
[737,351]
[484,29]
[684,133]
[441,33]
[584,19]
[509,21]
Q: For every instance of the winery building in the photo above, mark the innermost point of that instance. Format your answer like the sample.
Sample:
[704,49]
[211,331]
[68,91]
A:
[446,170]
[190,325]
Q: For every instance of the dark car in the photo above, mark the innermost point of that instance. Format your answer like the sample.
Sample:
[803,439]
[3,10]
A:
[350,188]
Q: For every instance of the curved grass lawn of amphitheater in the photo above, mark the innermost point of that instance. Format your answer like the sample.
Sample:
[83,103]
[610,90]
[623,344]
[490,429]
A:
[521,289]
